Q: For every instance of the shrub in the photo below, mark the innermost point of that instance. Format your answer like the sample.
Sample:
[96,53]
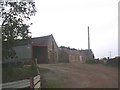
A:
[92,61]
[10,74]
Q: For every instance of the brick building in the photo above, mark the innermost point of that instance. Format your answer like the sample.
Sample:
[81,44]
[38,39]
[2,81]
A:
[74,55]
[86,55]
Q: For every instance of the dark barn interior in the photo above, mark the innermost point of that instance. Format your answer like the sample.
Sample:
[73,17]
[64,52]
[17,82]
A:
[40,52]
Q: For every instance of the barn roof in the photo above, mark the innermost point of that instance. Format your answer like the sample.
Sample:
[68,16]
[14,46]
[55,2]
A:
[35,40]
[41,40]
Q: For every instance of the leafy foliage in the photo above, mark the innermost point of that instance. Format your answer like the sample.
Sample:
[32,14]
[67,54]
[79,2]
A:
[15,25]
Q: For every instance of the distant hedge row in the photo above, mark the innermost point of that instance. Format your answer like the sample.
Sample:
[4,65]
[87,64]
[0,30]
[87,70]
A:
[92,61]
[115,62]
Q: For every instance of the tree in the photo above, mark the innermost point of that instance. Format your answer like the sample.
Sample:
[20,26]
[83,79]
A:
[14,24]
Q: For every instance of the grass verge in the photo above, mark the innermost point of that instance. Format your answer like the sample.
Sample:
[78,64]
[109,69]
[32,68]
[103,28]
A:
[52,84]
[47,83]
[18,73]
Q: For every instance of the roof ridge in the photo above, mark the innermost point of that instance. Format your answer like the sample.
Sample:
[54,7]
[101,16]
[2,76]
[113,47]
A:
[41,36]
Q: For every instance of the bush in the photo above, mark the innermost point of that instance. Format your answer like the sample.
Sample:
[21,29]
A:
[101,62]
[92,62]
[12,64]
[113,63]
[10,74]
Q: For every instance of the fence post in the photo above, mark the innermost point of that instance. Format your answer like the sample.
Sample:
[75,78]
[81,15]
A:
[36,63]
[31,83]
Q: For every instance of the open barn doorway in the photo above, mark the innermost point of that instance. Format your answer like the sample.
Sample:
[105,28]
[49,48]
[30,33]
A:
[40,53]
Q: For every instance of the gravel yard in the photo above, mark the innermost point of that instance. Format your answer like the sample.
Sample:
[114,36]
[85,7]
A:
[77,75]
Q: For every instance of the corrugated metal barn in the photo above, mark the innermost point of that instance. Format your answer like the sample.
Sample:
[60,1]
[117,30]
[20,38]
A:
[44,49]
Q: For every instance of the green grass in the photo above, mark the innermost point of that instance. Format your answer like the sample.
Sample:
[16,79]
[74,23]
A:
[18,73]
[52,84]
[47,83]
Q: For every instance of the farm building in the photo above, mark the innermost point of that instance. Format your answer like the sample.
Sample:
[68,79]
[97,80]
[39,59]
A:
[63,55]
[86,54]
[44,49]
[74,55]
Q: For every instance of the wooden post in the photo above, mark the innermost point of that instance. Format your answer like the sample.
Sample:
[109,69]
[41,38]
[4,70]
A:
[31,83]
[36,63]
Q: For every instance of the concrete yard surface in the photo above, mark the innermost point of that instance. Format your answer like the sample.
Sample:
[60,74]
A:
[77,75]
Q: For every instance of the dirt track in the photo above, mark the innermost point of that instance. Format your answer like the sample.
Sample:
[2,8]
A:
[76,75]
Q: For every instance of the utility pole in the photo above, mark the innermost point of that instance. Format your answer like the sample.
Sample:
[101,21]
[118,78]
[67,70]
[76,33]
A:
[110,54]
[88,39]
[88,44]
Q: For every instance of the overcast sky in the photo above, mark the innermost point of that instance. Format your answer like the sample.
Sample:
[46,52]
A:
[68,20]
